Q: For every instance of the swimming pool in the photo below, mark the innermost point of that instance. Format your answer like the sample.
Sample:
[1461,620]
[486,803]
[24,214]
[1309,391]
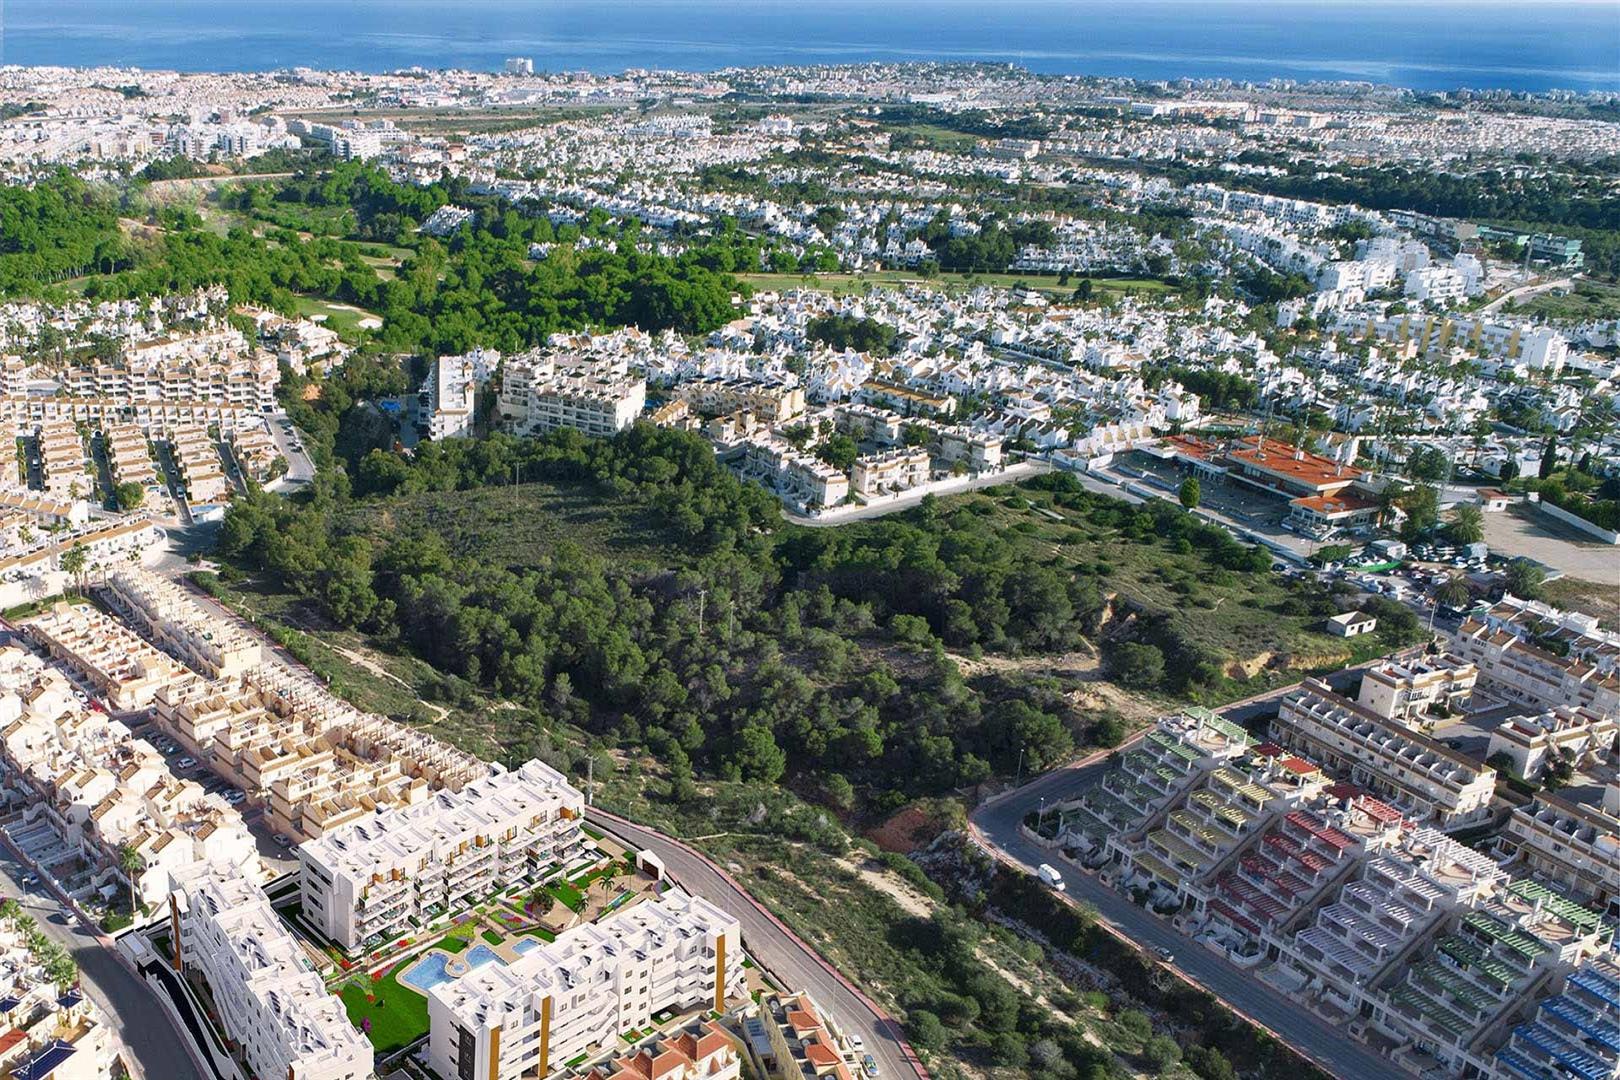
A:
[526,944]
[434,968]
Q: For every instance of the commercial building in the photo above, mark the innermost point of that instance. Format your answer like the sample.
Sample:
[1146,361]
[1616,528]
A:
[269,999]
[373,877]
[556,1002]
[1426,779]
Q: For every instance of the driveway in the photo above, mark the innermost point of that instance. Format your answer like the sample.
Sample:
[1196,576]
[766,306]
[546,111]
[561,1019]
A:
[795,964]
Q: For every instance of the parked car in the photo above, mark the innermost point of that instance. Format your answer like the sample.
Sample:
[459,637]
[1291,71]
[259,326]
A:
[869,1065]
[1165,954]
[187,762]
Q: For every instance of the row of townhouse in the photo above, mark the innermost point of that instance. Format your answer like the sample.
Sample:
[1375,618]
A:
[544,389]
[36,570]
[47,1031]
[555,1002]
[88,790]
[25,413]
[309,760]
[270,1001]
[789,1037]
[129,455]
[61,461]
[406,865]
[1572,844]
[773,402]
[1427,779]
[979,451]
[122,666]
[196,456]
[255,451]
[797,477]
[890,471]
[214,366]
[1385,924]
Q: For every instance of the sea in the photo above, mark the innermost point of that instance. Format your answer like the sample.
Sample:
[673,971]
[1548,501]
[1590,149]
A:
[1521,45]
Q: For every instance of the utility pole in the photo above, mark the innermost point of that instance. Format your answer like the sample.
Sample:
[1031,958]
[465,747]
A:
[590,778]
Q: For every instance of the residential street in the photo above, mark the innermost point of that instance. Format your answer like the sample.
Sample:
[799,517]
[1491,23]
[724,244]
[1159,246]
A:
[791,961]
[126,1002]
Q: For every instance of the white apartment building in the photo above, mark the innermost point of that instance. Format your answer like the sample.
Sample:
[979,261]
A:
[541,393]
[1436,285]
[447,402]
[772,402]
[1425,778]
[1532,742]
[371,878]
[268,996]
[890,471]
[558,1001]
[1407,690]
[1500,642]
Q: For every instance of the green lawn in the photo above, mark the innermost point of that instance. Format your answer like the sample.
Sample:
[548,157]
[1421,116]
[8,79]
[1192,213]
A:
[398,1014]
[1587,300]
[343,318]
[568,894]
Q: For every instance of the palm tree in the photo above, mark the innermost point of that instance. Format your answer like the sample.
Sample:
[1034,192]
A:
[73,562]
[131,862]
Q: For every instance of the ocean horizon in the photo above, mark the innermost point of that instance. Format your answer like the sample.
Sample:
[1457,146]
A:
[1479,44]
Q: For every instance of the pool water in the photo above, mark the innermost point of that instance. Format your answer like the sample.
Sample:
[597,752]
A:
[432,969]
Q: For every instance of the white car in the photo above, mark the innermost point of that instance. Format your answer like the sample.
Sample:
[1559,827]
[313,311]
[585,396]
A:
[186,762]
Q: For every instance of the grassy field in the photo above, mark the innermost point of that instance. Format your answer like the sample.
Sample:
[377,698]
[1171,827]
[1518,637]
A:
[1231,614]
[343,318]
[511,526]
[1587,300]
[844,284]
[398,1015]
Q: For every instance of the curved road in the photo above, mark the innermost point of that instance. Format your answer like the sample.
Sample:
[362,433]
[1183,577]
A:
[126,1003]
[793,962]
[995,826]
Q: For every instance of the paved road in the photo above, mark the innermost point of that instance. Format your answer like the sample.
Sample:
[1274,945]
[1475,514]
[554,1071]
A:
[300,469]
[996,825]
[1524,292]
[131,1009]
[793,963]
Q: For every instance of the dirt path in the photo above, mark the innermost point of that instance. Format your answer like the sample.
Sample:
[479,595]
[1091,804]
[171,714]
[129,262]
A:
[1095,693]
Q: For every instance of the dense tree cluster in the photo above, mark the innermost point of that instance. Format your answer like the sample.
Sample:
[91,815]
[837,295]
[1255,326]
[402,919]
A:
[851,332]
[56,229]
[737,663]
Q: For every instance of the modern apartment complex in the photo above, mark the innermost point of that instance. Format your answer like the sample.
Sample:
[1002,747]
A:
[558,1001]
[373,877]
[268,997]
[772,402]
[543,390]
[1540,656]
[1406,690]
